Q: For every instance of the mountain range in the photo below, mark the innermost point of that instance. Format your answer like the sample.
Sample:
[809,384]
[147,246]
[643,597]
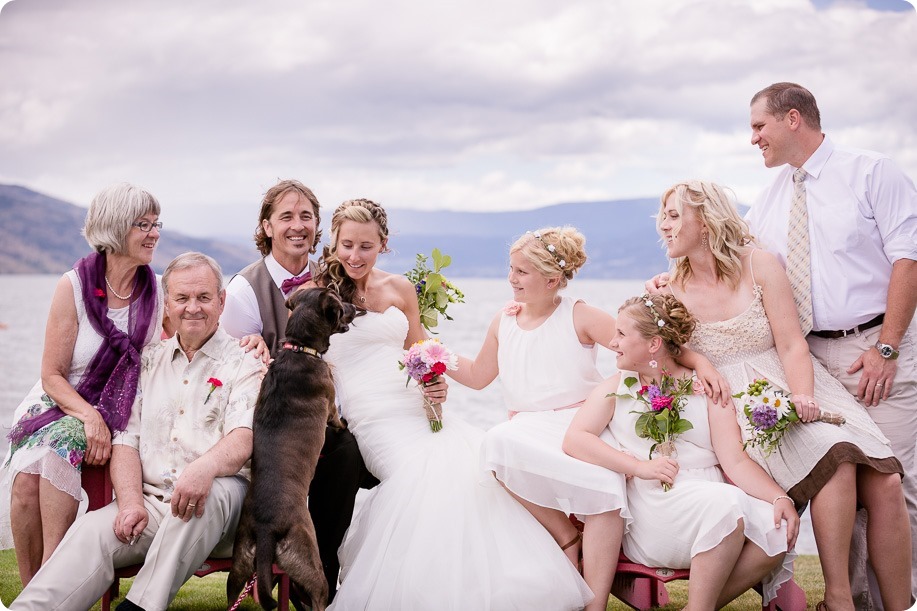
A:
[41,234]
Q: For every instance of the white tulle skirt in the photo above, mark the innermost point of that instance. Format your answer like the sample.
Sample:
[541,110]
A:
[441,533]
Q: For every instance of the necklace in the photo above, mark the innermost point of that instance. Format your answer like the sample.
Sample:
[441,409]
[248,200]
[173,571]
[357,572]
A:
[115,293]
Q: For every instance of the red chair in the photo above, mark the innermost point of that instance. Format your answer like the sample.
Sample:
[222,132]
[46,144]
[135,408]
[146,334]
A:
[643,587]
[96,482]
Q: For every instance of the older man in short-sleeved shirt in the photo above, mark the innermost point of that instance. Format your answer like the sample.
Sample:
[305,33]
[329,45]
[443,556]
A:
[178,469]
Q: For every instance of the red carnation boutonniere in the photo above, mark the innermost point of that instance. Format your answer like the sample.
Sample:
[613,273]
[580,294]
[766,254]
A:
[214,384]
[100,293]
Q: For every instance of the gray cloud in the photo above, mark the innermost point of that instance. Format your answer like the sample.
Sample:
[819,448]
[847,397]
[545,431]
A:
[456,105]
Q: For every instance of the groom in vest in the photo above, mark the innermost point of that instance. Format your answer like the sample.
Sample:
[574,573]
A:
[287,234]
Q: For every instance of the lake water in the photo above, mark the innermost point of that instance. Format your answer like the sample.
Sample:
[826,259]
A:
[25,299]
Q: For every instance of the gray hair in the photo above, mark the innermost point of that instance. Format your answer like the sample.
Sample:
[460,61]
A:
[112,213]
[192,259]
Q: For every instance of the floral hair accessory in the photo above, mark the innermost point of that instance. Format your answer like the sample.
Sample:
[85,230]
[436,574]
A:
[214,384]
[512,308]
[649,303]
[550,248]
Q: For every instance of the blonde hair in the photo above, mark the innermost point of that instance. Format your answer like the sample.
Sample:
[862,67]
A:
[678,322]
[568,248]
[332,272]
[112,214]
[728,233]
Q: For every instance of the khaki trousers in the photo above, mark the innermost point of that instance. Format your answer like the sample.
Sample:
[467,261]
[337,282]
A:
[84,564]
[897,419]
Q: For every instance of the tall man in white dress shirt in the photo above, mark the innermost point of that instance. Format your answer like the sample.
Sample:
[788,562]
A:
[862,227]
[178,469]
[287,234]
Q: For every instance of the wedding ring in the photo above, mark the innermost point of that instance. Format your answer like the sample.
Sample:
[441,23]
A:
[811,402]
[191,505]
[879,384]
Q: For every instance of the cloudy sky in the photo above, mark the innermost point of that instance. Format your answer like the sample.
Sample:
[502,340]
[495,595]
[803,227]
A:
[471,105]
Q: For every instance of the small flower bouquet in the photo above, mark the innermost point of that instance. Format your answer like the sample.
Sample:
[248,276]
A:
[434,292]
[770,413]
[425,361]
[661,421]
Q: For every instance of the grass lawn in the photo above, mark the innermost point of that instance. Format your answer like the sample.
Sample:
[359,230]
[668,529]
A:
[209,593]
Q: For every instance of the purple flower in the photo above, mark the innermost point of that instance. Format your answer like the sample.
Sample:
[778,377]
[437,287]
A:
[763,417]
[652,392]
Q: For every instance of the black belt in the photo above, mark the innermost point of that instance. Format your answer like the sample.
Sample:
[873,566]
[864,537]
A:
[875,322]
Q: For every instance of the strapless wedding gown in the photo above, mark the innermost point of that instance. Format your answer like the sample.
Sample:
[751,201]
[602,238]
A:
[438,532]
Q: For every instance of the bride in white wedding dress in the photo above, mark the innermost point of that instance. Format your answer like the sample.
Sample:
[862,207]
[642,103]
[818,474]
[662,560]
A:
[438,532]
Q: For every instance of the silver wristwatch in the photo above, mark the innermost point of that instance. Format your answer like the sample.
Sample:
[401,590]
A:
[886,351]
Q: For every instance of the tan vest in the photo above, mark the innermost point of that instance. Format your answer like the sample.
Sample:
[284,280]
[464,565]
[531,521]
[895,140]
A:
[271,303]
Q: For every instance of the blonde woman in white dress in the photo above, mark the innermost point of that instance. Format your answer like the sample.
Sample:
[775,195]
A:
[731,537]
[748,326]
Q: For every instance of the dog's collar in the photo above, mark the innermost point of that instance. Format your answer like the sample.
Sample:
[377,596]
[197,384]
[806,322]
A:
[306,349]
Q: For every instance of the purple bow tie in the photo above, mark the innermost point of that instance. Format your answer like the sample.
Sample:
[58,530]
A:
[291,283]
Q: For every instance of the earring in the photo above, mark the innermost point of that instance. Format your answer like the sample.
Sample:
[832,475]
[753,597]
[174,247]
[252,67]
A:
[703,241]
[654,364]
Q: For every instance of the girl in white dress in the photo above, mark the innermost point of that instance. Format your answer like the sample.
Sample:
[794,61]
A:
[544,347]
[731,537]
[431,535]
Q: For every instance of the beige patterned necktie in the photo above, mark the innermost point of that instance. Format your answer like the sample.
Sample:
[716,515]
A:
[798,262]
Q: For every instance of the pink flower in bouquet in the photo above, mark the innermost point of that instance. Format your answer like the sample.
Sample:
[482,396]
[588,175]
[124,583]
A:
[512,308]
[424,361]
[434,352]
[660,403]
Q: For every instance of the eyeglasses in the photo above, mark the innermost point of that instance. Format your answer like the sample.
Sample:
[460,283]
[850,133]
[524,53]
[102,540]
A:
[147,226]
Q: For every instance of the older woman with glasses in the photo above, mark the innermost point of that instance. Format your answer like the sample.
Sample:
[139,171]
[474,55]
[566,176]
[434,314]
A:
[104,311]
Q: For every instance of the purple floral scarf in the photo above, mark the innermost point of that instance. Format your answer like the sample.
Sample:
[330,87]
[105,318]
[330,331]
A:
[110,380]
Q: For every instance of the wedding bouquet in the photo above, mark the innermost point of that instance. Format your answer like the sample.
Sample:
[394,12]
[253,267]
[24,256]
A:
[425,361]
[770,413]
[661,421]
[434,292]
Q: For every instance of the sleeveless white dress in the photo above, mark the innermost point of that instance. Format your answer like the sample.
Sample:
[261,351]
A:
[547,374]
[742,349]
[438,532]
[47,453]
[700,509]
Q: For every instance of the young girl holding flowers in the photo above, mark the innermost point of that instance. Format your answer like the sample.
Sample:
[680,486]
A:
[543,346]
[730,536]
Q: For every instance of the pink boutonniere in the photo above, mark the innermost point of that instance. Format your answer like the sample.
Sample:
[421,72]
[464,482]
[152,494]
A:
[100,293]
[214,384]
[512,308]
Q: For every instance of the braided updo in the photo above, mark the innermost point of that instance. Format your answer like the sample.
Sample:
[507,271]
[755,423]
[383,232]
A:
[679,322]
[569,248]
[332,272]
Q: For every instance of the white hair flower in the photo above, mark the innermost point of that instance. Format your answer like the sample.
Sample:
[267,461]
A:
[562,263]
[660,322]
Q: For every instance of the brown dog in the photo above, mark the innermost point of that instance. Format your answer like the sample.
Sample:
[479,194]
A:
[294,405]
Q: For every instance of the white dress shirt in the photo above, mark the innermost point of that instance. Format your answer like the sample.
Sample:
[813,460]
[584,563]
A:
[241,315]
[173,423]
[862,218]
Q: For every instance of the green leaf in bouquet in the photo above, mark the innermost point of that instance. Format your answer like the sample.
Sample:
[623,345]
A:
[682,426]
[429,321]
[442,300]
[630,381]
[437,259]
[434,282]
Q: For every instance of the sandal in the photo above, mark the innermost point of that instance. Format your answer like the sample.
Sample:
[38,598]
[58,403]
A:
[822,606]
